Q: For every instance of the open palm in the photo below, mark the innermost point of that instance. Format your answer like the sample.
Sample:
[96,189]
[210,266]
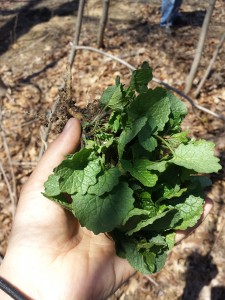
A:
[49,255]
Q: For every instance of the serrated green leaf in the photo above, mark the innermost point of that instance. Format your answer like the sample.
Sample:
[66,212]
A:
[180,137]
[178,108]
[136,212]
[77,173]
[88,177]
[141,104]
[114,122]
[79,160]
[155,105]
[161,222]
[176,139]
[197,156]
[190,211]
[133,218]
[147,203]
[157,248]
[148,261]
[148,144]
[158,166]
[139,170]
[114,98]
[138,152]
[173,192]
[60,199]
[160,260]
[134,257]
[157,240]
[145,138]
[129,133]
[159,114]
[107,94]
[52,186]
[170,240]
[106,182]
[140,78]
[169,192]
[103,213]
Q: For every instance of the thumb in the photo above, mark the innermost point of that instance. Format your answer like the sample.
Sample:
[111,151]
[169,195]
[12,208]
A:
[32,204]
[66,143]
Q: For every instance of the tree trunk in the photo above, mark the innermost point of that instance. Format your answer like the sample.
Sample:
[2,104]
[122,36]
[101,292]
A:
[218,47]
[77,32]
[103,22]
[200,46]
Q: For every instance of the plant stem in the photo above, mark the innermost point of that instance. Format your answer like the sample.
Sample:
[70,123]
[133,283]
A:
[164,142]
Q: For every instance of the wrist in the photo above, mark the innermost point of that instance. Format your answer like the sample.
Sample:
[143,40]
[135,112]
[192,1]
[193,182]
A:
[10,291]
[10,288]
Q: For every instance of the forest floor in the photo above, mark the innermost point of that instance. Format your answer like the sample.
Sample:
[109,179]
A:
[35,40]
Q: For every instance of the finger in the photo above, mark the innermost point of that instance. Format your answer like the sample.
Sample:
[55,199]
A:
[181,234]
[32,204]
[66,143]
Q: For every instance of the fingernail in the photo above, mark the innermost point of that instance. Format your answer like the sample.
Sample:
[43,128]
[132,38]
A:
[68,125]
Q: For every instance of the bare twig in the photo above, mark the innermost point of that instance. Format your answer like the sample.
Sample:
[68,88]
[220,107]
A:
[24,163]
[13,194]
[200,46]
[24,124]
[77,32]
[132,68]
[215,53]
[38,41]
[45,135]
[151,280]
[14,28]
[8,155]
[8,187]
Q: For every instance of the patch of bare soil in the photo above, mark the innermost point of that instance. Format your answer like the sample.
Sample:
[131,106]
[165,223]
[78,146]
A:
[35,39]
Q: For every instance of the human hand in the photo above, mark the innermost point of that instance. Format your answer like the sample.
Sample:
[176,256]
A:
[49,255]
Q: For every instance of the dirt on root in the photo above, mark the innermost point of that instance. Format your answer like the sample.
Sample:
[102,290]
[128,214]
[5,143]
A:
[35,40]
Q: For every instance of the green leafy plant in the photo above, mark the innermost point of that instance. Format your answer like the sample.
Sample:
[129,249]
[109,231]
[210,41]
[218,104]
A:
[137,176]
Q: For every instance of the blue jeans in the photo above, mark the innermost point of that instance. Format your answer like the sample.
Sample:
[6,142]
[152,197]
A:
[169,11]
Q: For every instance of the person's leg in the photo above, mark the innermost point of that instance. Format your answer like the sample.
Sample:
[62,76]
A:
[169,11]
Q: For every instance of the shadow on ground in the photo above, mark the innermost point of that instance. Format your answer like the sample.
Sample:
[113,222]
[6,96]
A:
[28,16]
[200,272]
